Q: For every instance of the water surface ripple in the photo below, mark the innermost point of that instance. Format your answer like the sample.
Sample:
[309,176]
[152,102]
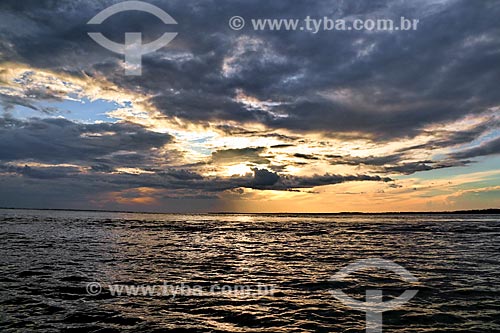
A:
[47,258]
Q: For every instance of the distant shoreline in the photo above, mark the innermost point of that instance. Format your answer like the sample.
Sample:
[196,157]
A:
[489,211]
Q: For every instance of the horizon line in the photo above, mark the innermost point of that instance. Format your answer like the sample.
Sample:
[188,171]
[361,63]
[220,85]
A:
[469,211]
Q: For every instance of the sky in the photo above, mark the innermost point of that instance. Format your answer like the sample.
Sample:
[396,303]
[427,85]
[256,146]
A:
[248,120]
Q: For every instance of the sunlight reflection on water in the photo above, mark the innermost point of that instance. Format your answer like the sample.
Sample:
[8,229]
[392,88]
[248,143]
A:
[49,257]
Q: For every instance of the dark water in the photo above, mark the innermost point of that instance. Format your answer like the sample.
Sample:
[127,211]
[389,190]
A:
[48,258]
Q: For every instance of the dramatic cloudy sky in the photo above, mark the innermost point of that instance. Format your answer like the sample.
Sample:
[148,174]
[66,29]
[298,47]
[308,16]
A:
[262,121]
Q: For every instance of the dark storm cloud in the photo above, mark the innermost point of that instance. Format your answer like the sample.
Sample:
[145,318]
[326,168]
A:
[329,179]
[56,140]
[41,173]
[384,84]
[263,177]
[395,163]
[282,146]
[412,167]
[178,181]
[486,148]
[269,180]
[183,174]
[8,102]
[445,139]
[240,131]
[369,160]
[305,156]
[406,81]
